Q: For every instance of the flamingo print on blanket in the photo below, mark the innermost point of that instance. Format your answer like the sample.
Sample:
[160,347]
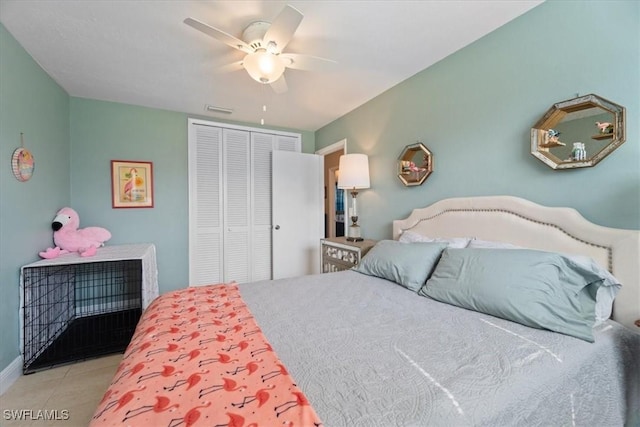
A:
[198,358]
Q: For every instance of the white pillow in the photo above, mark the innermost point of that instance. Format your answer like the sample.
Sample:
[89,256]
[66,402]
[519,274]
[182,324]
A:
[453,242]
[606,293]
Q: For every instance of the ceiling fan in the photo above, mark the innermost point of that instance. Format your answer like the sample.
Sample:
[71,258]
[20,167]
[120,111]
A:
[263,43]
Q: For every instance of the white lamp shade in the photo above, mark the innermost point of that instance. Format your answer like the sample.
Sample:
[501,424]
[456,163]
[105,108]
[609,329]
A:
[354,171]
[263,67]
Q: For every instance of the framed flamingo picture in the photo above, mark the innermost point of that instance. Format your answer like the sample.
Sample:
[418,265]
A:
[131,184]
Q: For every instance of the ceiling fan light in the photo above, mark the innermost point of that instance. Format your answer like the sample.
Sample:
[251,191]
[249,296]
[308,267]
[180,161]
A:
[263,67]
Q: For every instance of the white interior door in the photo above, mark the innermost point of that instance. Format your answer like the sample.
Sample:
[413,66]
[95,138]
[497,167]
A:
[298,223]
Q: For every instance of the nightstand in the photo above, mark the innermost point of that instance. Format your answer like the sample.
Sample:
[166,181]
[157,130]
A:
[340,254]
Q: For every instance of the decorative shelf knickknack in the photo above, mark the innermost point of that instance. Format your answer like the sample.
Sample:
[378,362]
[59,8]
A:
[578,133]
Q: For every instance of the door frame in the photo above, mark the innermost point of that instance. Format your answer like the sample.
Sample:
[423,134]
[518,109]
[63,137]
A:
[331,195]
[329,149]
[336,146]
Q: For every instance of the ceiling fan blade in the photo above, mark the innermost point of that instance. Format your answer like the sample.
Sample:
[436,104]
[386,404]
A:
[280,85]
[218,35]
[283,27]
[307,62]
[234,66]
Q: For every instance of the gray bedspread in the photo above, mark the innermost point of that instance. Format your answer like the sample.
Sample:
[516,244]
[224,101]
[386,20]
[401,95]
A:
[368,352]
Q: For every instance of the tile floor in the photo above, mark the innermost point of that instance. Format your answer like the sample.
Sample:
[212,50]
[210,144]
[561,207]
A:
[76,388]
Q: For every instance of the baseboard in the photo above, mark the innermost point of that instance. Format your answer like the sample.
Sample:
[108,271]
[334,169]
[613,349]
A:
[10,374]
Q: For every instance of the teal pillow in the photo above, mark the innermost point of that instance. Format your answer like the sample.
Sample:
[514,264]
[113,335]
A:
[408,264]
[543,290]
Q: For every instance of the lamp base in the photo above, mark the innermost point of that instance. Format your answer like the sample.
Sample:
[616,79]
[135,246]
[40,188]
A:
[354,231]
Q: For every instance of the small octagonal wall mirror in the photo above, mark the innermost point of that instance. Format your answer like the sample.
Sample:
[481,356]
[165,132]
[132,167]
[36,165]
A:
[415,164]
[578,133]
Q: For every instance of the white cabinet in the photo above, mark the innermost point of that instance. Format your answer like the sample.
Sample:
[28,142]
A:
[230,201]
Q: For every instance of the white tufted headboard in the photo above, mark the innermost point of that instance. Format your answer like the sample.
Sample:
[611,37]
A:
[524,223]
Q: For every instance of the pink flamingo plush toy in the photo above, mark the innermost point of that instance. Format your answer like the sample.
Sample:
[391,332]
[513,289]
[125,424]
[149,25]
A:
[69,238]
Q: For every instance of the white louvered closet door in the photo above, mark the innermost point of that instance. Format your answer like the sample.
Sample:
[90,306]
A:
[205,205]
[237,186]
[287,143]
[261,148]
[230,201]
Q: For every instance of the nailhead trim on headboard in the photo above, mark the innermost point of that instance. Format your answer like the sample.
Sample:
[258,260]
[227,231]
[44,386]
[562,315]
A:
[607,248]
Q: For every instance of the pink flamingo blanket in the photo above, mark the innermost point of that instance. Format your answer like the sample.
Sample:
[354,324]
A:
[198,358]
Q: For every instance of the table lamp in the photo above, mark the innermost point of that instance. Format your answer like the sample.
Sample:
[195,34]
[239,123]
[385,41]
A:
[354,175]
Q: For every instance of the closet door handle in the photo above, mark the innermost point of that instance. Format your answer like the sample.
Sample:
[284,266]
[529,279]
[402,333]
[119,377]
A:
[277,227]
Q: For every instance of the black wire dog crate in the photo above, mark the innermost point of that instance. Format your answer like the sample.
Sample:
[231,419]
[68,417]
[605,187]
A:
[77,311]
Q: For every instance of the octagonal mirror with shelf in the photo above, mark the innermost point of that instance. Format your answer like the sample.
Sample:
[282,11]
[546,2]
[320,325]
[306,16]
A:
[415,164]
[578,133]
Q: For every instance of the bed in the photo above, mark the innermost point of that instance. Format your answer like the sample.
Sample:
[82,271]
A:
[353,348]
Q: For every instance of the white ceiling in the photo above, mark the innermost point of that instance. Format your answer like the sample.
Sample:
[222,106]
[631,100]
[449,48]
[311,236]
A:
[140,52]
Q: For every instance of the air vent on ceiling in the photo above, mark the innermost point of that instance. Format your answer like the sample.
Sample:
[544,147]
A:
[214,109]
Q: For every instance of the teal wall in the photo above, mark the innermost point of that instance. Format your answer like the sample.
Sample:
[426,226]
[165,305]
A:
[474,110]
[32,103]
[104,131]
